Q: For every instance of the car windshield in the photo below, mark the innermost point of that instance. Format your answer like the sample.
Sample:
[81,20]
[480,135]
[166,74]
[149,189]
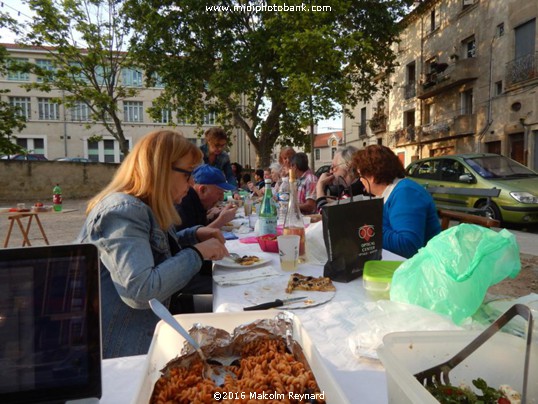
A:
[499,167]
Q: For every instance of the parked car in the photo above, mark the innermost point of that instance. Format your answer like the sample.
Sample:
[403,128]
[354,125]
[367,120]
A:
[323,169]
[25,157]
[75,159]
[518,200]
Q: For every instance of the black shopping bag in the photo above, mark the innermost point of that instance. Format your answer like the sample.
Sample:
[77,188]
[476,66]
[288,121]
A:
[353,234]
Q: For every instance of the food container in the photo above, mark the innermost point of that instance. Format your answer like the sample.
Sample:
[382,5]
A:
[377,277]
[498,361]
[268,243]
[167,345]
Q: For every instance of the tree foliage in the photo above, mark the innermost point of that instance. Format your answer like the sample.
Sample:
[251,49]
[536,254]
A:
[268,72]
[10,118]
[87,43]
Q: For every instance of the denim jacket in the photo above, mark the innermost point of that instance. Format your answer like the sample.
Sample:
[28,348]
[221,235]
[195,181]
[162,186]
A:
[137,265]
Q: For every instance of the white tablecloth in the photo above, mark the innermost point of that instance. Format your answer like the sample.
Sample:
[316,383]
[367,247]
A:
[328,325]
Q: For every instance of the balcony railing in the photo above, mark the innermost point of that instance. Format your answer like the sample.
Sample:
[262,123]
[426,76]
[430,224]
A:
[362,129]
[455,74]
[410,90]
[378,123]
[522,69]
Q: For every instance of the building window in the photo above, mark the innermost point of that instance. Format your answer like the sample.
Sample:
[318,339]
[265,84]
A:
[46,66]
[32,145]
[14,72]
[24,105]
[467,102]
[132,78]
[428,113]
[157,80]
[80,112]
[48,110]
[210,118]
[166,116]
[498,87]
[410,86]
[433,25]
[318,154]
[133,111]
[362,123]
[500,29]
[469,47]
[467,3]
[106,150]
[333,152]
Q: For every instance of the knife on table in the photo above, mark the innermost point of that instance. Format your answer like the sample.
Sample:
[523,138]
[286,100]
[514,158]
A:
[275,303]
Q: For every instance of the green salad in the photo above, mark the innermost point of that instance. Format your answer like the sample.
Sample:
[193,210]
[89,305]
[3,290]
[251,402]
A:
[447,394]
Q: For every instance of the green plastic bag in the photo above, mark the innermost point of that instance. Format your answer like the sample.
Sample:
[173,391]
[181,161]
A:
[452,274]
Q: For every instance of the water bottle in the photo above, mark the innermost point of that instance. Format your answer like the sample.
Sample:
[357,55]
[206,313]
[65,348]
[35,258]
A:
[267,217]
[283,199]
[294,223]
[57,198]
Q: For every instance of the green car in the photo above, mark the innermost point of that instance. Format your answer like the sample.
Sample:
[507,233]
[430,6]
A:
[518,200]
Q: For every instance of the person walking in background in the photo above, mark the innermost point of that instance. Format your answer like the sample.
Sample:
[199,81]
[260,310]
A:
[284,159]
[409,215]
[208,190]
[216,141]
[132,222]
[341,181]
[306,183]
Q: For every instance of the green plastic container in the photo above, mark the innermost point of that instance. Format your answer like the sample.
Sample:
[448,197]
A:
[377,277]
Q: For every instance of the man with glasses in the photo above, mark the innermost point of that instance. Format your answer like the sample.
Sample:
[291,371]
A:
[203,196]
[341,181]
[216,141]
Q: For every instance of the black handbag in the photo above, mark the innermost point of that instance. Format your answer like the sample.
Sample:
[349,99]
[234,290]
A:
[353,234]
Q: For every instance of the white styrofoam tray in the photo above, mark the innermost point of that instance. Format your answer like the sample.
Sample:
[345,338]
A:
[167,344]
[498,361]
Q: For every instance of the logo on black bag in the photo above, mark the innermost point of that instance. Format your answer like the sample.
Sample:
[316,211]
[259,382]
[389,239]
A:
[366,232]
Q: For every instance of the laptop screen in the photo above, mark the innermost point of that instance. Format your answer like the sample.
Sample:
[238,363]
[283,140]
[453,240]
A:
[50,339]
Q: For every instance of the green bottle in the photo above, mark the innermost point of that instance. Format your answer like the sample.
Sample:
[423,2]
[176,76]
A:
[267,217]
[57,198]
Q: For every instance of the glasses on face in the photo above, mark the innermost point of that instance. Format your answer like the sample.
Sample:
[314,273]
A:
[181,170]
[335,166]
[219,146]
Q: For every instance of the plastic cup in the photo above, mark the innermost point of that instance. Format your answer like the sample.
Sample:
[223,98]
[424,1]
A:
[306,220]
[252,220]
[288,248]
[248,207]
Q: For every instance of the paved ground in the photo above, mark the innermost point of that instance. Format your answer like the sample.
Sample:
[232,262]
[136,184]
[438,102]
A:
[63,228]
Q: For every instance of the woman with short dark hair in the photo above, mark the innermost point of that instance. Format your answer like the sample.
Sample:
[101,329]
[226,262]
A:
[409,215]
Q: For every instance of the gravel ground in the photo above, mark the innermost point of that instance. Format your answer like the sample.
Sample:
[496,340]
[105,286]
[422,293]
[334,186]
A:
[63,228]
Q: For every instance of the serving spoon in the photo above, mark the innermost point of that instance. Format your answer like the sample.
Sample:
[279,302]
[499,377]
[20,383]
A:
[213,369]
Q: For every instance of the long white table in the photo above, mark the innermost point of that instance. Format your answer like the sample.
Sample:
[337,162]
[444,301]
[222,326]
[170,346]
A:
[329,326]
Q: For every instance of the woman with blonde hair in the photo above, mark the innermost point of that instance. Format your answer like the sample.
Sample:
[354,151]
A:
[131,222]
[284,159]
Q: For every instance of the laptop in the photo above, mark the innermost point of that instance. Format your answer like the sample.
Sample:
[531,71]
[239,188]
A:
[50,336]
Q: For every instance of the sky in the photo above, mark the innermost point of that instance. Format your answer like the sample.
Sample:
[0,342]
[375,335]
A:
[22,12]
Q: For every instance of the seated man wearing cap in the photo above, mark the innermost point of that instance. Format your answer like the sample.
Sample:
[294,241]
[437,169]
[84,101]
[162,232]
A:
[207,191]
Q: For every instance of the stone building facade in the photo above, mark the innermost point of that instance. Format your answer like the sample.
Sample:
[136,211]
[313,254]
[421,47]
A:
[56,131]
[467,82]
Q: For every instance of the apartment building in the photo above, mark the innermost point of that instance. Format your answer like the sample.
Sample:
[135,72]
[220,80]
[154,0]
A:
[467,81]
[55,131]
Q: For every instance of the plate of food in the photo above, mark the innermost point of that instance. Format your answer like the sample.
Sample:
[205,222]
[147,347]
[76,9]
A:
[246,261]
[316,290]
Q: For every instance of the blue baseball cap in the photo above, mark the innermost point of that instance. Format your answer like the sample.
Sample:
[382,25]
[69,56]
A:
[208,175]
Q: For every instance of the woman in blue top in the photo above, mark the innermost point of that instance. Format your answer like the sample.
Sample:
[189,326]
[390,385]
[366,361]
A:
[409,215]
[132,223]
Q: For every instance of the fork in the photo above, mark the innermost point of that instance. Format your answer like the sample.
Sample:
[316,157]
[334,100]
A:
[235,257]
[438,375]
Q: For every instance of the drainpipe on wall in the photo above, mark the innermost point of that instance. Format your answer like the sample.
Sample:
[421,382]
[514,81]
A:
[489,121]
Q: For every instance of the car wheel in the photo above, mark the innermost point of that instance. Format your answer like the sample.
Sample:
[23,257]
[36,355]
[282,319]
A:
[492,210]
